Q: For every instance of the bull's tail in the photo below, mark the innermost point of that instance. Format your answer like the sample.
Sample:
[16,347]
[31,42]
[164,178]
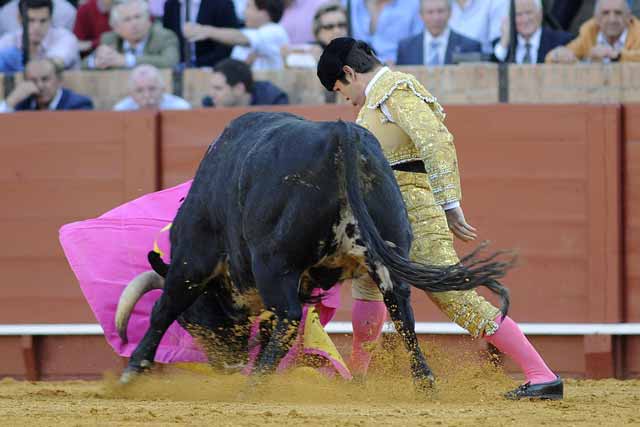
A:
[474,270]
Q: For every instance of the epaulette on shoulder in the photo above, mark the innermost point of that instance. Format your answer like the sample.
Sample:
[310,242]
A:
[400,81]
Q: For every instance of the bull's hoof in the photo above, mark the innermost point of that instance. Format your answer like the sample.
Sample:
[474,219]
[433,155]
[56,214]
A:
[425,384]
[132,372]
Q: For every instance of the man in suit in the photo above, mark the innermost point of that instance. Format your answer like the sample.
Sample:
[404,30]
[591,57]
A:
[438,44]
[134,40]
[534,42]
[612,35]
[42,90]
[232,85]
[215,13]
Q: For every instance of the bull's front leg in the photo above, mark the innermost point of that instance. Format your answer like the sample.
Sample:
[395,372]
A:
[179,293]
[399,306]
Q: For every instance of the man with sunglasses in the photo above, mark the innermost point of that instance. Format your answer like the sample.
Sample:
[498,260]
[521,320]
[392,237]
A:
[329,22]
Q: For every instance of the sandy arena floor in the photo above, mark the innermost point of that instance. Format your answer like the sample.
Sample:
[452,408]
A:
[469,393]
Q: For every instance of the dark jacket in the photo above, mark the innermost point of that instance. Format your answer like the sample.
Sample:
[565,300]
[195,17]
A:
[217,13]
[68,101]
[411,49]
[549,40]
[264,93]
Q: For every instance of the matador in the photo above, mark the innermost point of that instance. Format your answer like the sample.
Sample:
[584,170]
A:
[409,124]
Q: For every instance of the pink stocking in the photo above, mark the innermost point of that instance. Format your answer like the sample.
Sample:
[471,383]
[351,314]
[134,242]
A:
[367,318]
[510,340]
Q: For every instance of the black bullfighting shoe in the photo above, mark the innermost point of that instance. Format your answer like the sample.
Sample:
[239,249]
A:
[552,390]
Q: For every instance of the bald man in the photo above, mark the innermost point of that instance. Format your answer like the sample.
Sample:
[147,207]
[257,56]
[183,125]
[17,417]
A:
[42,90]
[612,35]
[147,90]
[534,41]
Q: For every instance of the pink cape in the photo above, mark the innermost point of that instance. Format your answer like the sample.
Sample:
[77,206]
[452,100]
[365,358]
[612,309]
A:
[105,253]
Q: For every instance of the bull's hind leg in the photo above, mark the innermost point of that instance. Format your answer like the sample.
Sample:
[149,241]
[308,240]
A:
[279,291]
[401,312]
[185,281]
[397,296]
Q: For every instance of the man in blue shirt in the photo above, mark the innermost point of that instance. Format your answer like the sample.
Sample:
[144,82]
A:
[383,23]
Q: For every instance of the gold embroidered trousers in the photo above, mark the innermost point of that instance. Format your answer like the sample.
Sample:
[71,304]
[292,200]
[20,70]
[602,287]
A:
[433,244]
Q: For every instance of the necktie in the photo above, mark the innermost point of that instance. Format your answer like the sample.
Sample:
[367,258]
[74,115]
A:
[434,56]
[527,54]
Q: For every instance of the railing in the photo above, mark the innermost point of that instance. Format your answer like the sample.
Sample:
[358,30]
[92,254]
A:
[482,83]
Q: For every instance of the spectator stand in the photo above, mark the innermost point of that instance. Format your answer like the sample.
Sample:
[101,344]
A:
[105,88]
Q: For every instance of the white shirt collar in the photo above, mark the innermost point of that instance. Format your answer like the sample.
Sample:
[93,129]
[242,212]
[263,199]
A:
[442,38]
[375,78]
[139,50]
[534,40]
[56,100]
[619,44]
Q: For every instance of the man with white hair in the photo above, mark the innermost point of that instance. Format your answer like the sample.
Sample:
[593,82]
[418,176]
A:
[613,34]
[134,40]
[147,90]
[534,41]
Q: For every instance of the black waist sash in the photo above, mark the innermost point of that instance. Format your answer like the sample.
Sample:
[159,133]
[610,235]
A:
[414,166]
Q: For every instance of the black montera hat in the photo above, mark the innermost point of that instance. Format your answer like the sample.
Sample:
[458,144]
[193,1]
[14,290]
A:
[332,60]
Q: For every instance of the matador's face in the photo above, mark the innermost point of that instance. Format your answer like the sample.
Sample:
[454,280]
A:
[352,88]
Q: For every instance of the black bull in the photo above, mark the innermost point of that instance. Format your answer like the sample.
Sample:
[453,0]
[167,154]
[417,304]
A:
[281,205]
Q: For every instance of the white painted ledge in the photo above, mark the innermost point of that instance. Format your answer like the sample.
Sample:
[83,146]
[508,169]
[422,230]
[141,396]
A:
[435,328]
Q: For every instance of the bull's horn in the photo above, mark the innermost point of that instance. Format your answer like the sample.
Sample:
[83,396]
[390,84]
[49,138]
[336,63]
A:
[140,285]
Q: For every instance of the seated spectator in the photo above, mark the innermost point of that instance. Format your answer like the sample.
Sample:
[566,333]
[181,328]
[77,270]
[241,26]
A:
[147,90]
[45,41]
[383,23]
[134,40]
[438,43]
[298,18]
[42,90]
[92,21]
[479,20]
[232,85]
[534,41]
[208,13]
[613,34]
[259,43]
[64,15]
[329,22]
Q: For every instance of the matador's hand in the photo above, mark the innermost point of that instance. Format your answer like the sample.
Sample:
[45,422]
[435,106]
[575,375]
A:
[459,226]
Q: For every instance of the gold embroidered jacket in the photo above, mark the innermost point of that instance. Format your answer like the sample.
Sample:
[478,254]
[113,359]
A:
[415,132]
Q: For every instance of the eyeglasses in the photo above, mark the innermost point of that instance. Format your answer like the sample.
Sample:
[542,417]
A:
[329,27]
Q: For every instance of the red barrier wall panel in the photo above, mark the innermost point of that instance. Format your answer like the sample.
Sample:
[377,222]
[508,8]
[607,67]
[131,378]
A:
[185,135]
[55,168]
[632,231]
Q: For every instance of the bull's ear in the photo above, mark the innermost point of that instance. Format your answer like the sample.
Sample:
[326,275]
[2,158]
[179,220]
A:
[157,264]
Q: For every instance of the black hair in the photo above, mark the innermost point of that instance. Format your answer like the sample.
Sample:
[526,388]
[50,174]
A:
[345,51]
[25,5]
[235,72]
[275,8]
